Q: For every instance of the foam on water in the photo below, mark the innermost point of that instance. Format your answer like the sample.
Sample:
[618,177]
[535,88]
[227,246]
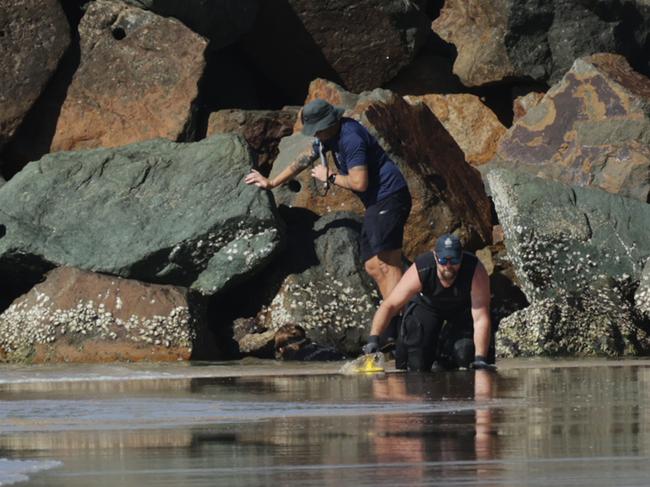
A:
[12,471]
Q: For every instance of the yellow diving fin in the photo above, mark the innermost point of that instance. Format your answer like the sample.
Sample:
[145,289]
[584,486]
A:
[372,363]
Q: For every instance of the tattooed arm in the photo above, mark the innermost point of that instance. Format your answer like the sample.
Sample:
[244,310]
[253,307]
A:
[297,166]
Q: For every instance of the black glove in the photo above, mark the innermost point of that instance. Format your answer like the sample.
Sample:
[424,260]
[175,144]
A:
[480,363]
[372,346]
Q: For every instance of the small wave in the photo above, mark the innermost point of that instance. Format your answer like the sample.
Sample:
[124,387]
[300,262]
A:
[12,471]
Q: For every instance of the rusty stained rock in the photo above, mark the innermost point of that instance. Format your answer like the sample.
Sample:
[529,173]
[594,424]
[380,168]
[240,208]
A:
[522,104]
[137,79]
[447,192]
[474,127]
[262,129]
[590,129]
[35,35]
[477,28]
[80,316]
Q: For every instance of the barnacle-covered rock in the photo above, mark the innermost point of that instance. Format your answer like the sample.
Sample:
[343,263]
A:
[79,316]
[642,295]
[578,253]
[333,298]
[598,321]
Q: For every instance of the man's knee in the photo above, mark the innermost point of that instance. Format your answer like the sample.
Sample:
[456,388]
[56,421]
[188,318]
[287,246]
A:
[373,268]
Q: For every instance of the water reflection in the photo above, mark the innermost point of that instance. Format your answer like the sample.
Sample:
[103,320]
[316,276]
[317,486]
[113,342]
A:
[419,440]
[563,425]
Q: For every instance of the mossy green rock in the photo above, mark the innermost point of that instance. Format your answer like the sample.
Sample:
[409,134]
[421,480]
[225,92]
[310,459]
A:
[579,255]
[155,211]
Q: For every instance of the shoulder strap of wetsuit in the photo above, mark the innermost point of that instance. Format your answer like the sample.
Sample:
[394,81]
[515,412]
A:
[426,267]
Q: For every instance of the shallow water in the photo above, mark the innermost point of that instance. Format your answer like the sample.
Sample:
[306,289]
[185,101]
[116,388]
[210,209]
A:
[559,423]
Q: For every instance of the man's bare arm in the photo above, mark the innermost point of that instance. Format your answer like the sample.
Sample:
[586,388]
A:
[297,166]
[408,286]
[356,180]
[481,310]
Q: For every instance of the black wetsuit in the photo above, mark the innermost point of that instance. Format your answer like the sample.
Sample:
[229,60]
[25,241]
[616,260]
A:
[438,324]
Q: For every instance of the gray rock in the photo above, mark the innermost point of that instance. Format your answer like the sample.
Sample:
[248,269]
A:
[221,21]
[360,44]
[497,40]
[333,299]
[35,34]
[155,211]
[565,237]
[578,255]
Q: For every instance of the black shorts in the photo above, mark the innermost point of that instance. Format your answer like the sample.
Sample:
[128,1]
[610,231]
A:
[383,224]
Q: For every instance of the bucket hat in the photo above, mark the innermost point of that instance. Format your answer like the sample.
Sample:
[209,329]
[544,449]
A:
[319,115]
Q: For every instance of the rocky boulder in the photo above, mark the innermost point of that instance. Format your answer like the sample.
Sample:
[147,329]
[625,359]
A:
[78,316]
[333,299]
[221,21]
[447,192]
[642,295]
[497,40]
[262,129]
[155,211]
[596,322]
[579,254]
[474,127]
[590,129]
[522,104]
[428,73]
[360,44]
[137,79]
[35,35]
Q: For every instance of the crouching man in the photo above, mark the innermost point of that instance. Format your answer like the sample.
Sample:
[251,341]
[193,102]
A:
[447,318]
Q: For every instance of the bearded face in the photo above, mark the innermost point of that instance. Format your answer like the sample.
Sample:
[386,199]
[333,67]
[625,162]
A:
[448,272]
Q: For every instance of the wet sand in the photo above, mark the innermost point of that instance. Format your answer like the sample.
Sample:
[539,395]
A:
[534,422]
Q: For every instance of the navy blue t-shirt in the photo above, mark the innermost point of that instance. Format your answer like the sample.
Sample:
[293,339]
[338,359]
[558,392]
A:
[355,146]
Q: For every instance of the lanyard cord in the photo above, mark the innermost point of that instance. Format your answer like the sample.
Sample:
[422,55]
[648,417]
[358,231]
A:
[323,161]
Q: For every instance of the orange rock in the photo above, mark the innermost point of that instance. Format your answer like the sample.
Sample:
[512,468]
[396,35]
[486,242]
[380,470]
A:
[137,79]
[474,127]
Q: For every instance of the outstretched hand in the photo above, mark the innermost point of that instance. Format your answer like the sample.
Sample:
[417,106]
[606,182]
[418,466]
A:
[254,177]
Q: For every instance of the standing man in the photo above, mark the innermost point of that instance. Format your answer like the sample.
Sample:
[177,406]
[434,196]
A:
[365,169]
[448,314]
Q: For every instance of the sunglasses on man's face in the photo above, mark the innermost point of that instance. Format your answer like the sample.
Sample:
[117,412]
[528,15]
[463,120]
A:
[448,260]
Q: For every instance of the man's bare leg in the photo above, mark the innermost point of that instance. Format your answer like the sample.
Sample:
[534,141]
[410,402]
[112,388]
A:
[386,270]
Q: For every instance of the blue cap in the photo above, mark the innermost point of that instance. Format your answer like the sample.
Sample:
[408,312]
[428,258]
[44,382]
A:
[449,246]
